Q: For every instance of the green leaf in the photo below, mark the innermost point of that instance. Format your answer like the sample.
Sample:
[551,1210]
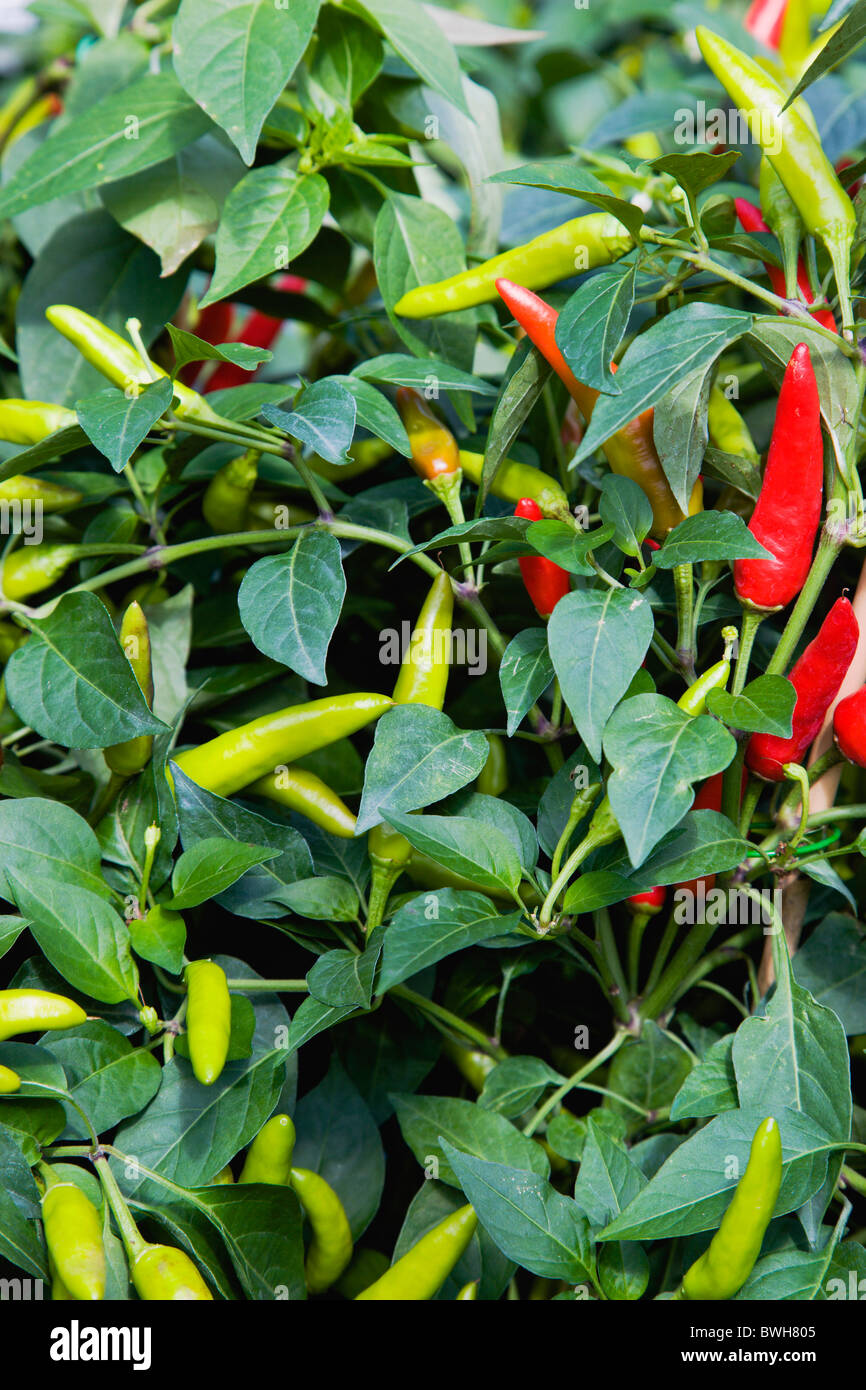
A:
[419,756]
[290,604]
[323,419]
[160,937]
[516,1084]
[234,57]
[527,374]
[396,369]
[597,642]
[766,706]
[696,170]
[831,965]
[211,866]
[580,183]
[72,682]
[422,933]
[711,1086]
[269,217]
[108,1077]
[189,348]
[19,1242]
[608,1178]
[525,672]
[417,38]
[343,979]
[425,1120]
[624,506]
[531,1222]
[128,130]
[116,423]
[709,536]
[43,841]
[480,853]
[325,899]
[566,547]
[591,325]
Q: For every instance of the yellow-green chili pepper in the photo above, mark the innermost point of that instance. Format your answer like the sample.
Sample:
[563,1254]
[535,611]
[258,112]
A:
[269,1157]
[208,1019]
[10,1081]
[726,1265]
[728,430]
[694,701]
[423,676]
[793,150]
[514,480]
[32,568]
[224,1177]
[330,1249]
[120,362]
[35,1011]
[161,1273]
[227,496]
[493,777]
[11,638]
[73,1234]
[575,246]
[469,1292]
[29,422]
[237,758]
[126,759]
[52,497]
[423,1270]
[302,791]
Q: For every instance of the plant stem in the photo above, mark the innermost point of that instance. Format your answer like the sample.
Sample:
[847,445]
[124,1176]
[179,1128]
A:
[130,1234]
[574,1081]
[679,969]
[748,632]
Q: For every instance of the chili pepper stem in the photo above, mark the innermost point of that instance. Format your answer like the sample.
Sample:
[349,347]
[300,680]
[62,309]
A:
[750,801]
[107,798]
[732,784]
[446,486]
[752,620]
[800,777]
[662,994]
[636,930]
[311,483]
[382,882]
[618,988]
[684,590]
[665,946]
[557,1096]
[132,1238]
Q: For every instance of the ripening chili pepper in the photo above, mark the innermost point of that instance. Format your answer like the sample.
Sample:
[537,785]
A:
[816,678]
[544,580]
[35,1011]
[162,1273]
[752,221]
[647,904]
[793,149]
[493,777]
[208,1019]
[304,792]
[126,759]
[10,1081]
[725,1266]
[32,568]
[330,1250]
[45,109]
[795,39]
[694,701]
[269,1157]
[50,497]
[434,448]
[764,20]
[581,244]
[119,361]
[228,493]
[423,677]
[73,1234]
[631,452]
[788,511]
[644,145]
[241,756]
[29,422]
[849,726]
[421,1272]
[513,481]
[727,429]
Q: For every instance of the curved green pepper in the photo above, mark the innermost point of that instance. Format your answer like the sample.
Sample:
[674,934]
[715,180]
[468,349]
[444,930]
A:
[126,759]
[299,790]
[269,1157]
[330,1250]
[73,1234]
[161,1273]
[423,1270]
[208,1019]
[35,1011]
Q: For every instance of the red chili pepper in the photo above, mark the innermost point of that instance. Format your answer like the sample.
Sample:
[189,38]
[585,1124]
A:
[752,221]
[647,904]
[816,677]
[765,19]
[788,511]
[546,582]
[258,330]
[631,452]
[849,726]
[213,325]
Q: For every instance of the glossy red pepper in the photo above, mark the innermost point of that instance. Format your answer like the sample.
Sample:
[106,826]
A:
[258,330]
[816,677]
[764,20]
[788,510]
[849,726]
[752,221]
[647,904]
[546,582]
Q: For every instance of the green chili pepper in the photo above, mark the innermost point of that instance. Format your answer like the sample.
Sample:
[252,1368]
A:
[422,1271]
[29,422]
[10,1081]
[367,1266]
[241,756]
[161,1273]
[694,701]
[302,791]
[728,430]
[35,1011]
[783,219]
[73,1234]
[363,455]
[330,1250]
[224,1177]
[794,151]
[726,1265]
[473,1064]
[51,497]
[493,777]
[513,481]
[468,1293]
[11,638]
[59,1291]
[126,759]
[580,244]
[32,568]
[120,362]
[228,493]
[269,1157]
[208,1019]
[423,675]
[390,853]
[265,512]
